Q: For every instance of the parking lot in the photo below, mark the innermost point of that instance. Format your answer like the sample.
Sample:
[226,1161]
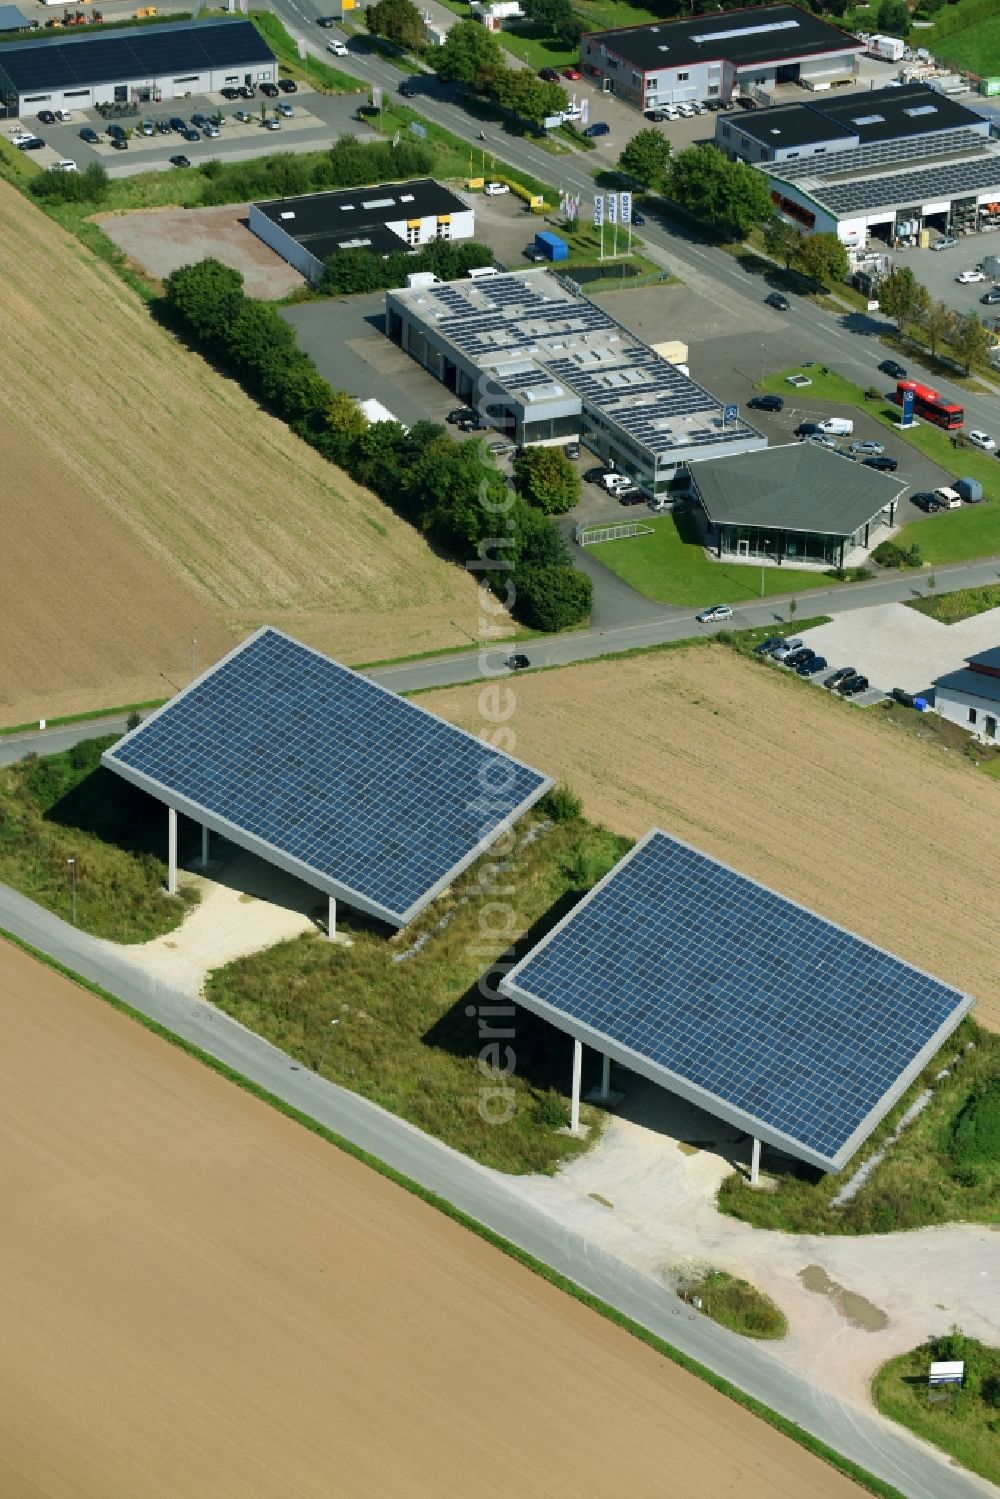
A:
[937,270]
[317,120]
[895,646]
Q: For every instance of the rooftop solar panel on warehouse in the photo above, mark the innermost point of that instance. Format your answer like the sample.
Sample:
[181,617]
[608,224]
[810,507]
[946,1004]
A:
[947,181]
[322,772]
[739,1000]
[147,52]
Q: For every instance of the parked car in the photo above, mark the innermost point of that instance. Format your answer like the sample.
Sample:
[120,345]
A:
[64,166]
[869,447]
[779,302]
[800,657]
[269,90]
[573,74]
[288,85]
[600,127]
[766,403]
[90,136]
[460,414]
[199,121]
[245,117]
[63,116]
[148,127]
[812,667]
[176,123]
[272,124]
[119,143]
[853,686]
[45,117]
[947,498]
[613,480]
[632,496]
[656,115]
[783,651]
[338,48]
[981,440]
[836,426]
[163,127]
[247,91]
[808,429]
[893,369]
[495,189]
[572,450]
[230,93]
[549,75]
[179,161]
[473,424]
[944,242]
[713,613]
[821,440]
[902,697]
[501,448]
[991,297]
[517,663]
[884,464]
[969,278]
[114,130]
[925,501]
[765,647]
[532,252]
[30,143]
[840,675]
[285,110]
[191,135]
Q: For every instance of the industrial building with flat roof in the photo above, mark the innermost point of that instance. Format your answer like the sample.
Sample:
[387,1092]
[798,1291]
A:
[544,364]
[892,163]
[719,56]
[305,231]
[800,503]
[146,64]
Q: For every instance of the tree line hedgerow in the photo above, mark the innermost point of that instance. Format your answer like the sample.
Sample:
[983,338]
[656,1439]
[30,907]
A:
[448,489]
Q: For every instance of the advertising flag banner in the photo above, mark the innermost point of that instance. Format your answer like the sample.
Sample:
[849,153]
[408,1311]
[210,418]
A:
[584,110]
[598,210]
[376,97]
[302,48]
[625,205]
[612,208]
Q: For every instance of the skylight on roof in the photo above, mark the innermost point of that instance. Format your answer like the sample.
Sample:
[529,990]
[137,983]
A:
[379,203]
[869,119]
[288,215]
[921,109]
[718,36]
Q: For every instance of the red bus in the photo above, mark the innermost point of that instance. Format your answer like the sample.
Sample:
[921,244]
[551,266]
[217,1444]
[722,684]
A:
[931,406]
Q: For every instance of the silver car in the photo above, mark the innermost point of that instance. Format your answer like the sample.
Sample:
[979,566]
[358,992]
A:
[795,644]
[870,448]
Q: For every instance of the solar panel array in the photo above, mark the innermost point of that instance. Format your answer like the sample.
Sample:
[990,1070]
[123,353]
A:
[884,153]
[949,181]
[143,54]
[740,994]
[312,760]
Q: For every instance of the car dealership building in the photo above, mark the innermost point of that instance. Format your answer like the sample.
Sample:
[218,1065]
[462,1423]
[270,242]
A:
[144,64]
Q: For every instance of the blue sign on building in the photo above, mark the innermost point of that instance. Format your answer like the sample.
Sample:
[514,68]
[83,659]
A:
[907,407]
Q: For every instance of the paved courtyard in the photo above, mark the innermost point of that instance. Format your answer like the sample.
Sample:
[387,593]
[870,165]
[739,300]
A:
[895,646]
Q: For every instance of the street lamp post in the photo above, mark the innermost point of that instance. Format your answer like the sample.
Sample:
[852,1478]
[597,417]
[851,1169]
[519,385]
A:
[326,1046]
[72,865]
[763,357]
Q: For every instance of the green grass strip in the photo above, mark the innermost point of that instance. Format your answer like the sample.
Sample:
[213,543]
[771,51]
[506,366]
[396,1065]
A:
[861,1476]
[70,718]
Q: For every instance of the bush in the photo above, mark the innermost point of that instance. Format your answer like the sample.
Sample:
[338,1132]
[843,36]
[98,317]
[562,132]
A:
[552,598]
[976,1135]
[545,478]
[873,393]
[561,804]
[891,554]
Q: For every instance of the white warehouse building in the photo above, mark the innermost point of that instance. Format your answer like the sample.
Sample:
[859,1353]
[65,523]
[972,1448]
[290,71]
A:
[146,64]
[971,695]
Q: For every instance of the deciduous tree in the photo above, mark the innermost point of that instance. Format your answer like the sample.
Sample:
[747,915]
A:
[823,258]
[647,158]
[783,240]
[208,296]
[398,21]
[903,298]
[971,341]
[727,195]
[546,479]
[469,54]
[937,325]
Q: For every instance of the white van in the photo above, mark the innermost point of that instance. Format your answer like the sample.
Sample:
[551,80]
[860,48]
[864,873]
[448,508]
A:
[948,499]
[836,426]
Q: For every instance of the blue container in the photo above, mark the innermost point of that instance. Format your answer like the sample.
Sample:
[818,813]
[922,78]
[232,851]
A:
[970,489]
[551,246]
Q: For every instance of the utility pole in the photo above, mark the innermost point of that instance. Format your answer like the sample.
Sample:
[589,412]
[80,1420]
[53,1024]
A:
[72,865]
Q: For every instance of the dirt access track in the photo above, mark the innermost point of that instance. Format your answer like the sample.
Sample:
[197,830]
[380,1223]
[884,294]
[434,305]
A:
[813,797]
[201,1298]
[148,502]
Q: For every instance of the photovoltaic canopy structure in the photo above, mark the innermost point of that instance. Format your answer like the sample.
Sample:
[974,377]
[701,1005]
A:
[360,793]
[739,1000]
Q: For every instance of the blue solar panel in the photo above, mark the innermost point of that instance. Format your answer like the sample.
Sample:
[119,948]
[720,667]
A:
[357,786]
[742,997]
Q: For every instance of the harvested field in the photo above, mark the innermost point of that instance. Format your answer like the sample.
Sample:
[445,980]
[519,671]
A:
[199,1297]
[150,501]
[870,828]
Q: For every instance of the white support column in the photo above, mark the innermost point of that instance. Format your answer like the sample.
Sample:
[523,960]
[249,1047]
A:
[331,922]
[605,1076]
[574,1118]
[204,846]
[755,1163]
[171,851]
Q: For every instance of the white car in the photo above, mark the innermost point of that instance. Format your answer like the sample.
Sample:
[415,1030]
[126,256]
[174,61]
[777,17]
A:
[495,189]
[981,440]
[967,278]
[65,166]
[62,115]
[339,49]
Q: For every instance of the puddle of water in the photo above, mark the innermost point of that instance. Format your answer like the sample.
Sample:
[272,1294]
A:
[855,1309]
[170,944]
[596,1196]
[686,1149]
[245,899]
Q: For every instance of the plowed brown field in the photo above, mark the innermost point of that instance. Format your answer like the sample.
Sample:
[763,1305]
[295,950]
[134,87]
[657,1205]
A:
[888,836]
[200,1298]
[147,500]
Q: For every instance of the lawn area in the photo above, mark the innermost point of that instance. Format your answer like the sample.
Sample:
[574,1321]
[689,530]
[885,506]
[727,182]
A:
[585,249]
[671,567]
[944,1168]
[966,1423]
[951,535]
[735,1304]
[976,48]
[65,806]
[410,1033]
[319,74]
[962,603]
[455,157]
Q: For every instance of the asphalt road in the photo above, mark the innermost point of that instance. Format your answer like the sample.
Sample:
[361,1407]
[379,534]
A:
[917,1470]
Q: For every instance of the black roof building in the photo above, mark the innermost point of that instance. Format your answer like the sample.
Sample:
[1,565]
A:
[858,119]
[324,223]
[749,37]
[67,61]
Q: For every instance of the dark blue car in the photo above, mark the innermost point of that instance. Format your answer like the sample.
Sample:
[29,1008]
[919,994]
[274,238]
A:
[810,668]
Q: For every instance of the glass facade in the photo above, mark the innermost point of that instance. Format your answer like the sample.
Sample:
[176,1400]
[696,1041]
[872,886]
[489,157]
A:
[545,431]
[790,546]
